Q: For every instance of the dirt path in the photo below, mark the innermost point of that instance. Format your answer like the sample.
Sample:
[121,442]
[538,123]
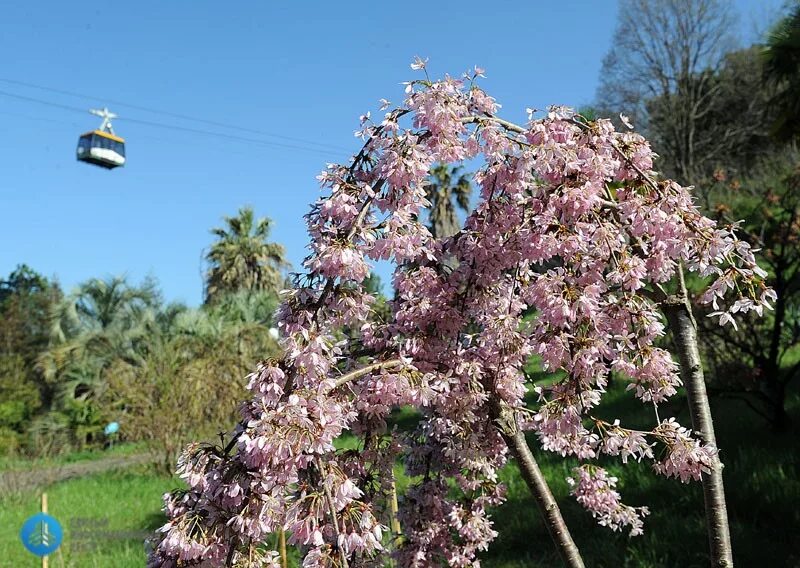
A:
[16,482]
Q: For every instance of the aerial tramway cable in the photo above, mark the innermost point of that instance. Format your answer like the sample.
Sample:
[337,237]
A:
[222,135]
[173,114]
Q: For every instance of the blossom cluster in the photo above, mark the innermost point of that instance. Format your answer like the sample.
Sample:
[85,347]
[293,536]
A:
[595,490]
[571,239]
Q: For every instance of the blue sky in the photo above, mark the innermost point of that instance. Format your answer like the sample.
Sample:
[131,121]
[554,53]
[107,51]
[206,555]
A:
[305,70]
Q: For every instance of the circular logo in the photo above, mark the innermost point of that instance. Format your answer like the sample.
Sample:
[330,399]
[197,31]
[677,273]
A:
[41,534]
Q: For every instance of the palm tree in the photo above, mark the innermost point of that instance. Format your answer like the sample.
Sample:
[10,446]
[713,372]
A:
[98,320]
[447,184]
[782,71]
[242,258]
[99,323]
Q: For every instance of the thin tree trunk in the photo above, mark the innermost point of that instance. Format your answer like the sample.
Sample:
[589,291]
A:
[518,446]
[684,330]
[775,392]
[394,523]
[544,499]
[282,548]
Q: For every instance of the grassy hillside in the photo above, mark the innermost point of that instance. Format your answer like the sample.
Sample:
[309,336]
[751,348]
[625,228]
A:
[762,479]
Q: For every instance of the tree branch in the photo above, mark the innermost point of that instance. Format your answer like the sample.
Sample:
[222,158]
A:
[358,373]
[537,484]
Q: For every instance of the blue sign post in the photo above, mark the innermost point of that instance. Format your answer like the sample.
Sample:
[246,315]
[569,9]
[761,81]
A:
[41,534]
[111,429]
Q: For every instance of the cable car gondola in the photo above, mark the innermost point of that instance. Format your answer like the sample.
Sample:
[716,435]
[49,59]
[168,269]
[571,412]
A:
[102,147]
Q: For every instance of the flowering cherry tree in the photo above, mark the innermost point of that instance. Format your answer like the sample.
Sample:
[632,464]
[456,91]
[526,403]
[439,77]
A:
[572,225]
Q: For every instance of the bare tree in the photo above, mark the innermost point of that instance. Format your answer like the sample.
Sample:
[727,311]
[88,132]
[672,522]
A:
[667,51]
[663,70]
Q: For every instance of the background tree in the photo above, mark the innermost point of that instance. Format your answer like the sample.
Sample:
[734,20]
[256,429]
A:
[668,51]
[26,300]
[741,143]
[101,321]
[782,72]
[741,172]
[448,189]
[192,374]
[242,258]
[111,350]
[754,362]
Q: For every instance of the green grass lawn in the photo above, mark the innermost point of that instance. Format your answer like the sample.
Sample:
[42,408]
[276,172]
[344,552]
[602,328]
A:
[762,479]
[762,482]
[116,507]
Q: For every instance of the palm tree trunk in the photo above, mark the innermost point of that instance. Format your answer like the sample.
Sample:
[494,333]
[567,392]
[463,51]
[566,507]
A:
[684,330]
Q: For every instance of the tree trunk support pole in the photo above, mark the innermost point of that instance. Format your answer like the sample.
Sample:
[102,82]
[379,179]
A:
[684,330]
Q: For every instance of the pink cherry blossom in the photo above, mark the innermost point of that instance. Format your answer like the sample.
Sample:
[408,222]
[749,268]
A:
[570,240]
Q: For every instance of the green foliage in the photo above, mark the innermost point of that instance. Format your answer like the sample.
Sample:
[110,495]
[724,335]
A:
[111,350]
[754,360]
[19,395]
[782,71]
[26,298]
[10,441]
[589,113]
[242,258]
[49,434]
[100,322]
[380,307]
[25,301]
[191,376]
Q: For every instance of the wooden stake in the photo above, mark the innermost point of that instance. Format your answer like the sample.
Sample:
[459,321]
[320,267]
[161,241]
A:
[394,523]
[44,510]
[393,510]
[282,548]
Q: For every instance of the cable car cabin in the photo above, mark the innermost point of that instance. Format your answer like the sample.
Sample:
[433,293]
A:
[101,149]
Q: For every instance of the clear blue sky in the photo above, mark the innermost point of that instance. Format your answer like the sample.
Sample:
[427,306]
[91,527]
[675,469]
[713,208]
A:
[299,69]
